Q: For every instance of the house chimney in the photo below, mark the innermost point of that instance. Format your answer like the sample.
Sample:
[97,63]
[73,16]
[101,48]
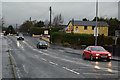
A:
[73,21]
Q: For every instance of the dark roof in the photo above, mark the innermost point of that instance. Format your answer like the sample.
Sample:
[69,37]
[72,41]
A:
[89,23]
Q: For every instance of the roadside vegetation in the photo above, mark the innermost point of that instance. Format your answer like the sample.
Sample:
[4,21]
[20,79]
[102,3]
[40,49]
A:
[81,39]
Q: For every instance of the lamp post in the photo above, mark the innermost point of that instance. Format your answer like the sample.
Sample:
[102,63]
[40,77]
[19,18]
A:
[96,22]
[50,37]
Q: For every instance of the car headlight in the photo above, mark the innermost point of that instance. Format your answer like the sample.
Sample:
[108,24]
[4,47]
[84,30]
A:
[40,44]
[109,54]
[97,54]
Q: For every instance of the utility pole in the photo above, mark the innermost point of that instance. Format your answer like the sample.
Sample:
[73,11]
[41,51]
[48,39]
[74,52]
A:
[16,27]
[30,19]
[2,21]
[50,16]
[96,22]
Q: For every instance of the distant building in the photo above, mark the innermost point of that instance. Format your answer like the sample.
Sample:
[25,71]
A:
[87,27]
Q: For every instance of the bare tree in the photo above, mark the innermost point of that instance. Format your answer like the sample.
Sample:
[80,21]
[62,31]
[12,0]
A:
[46,22]
[58,20]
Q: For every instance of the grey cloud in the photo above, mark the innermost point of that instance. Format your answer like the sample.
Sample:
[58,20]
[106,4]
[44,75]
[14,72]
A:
[18,12]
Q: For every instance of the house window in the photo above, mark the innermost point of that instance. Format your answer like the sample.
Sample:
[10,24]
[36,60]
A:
[93,27]
[85,27]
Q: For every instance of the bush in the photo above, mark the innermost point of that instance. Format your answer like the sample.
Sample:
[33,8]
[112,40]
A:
[77,39]
[108,40]
[80,39]
[38,30]
[118,41]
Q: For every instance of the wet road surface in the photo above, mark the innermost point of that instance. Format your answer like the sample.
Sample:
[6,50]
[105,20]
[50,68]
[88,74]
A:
[55,62]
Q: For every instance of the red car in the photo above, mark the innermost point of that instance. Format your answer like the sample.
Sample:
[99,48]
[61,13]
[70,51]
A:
[96,52]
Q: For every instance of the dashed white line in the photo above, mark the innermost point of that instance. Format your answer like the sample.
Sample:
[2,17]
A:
[25,69]
[43,59]
[53,63]
[91,74]
[71,70]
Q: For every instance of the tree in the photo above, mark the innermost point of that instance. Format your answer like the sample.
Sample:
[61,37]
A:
[46,22]
[39,24]
[95,19]
[26,26]
[58,20]
[112,22]
[84,19]
[10,30]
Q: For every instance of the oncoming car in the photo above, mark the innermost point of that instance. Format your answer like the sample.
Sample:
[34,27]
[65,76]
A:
[42,44]
[96,52]
[20,37]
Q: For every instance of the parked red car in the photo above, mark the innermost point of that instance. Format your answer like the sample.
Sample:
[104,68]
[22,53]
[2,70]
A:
[96,52]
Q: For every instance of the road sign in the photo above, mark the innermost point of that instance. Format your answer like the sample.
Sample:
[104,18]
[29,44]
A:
[45,31]
[95,31]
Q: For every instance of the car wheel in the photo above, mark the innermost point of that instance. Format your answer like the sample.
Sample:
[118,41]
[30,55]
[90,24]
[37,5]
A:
[91,58]
[108,60]
[83,56]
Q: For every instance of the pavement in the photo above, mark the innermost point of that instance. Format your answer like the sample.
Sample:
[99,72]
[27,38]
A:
[54,62]
[6,67]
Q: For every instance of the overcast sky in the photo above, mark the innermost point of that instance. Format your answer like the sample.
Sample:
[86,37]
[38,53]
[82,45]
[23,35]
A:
[18,12]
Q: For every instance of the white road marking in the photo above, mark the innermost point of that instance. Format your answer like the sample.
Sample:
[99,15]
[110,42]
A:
[43,59]
[61,50]
[91,74]
[70,70]
[27,44]
[25,69]
[52,63]
[108,74]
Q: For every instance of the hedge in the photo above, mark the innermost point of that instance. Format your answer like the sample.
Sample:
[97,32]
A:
[38,30]
[80,39]
[118,41]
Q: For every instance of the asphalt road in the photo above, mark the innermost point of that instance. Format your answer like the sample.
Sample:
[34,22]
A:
[55,62]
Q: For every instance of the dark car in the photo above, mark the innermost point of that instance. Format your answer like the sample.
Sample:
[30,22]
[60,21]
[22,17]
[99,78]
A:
[96,52]
[20,37]
[42,44]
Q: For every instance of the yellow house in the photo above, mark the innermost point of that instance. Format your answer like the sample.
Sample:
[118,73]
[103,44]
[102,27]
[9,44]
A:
[87,27]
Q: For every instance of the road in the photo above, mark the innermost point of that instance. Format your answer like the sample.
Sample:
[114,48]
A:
[55,62]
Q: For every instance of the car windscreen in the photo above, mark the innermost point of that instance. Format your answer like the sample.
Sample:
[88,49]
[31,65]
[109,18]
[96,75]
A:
[20,35]
[98,49]
[43,42]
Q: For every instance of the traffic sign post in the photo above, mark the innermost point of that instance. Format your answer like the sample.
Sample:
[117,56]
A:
[95,31]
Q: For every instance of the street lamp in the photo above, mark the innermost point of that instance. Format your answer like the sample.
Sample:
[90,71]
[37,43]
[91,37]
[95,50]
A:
[96,23]
[50,36]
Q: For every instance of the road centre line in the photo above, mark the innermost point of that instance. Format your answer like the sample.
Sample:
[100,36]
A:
[91,74]
[43,59]
[70,70]
[53,63]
